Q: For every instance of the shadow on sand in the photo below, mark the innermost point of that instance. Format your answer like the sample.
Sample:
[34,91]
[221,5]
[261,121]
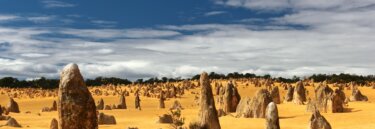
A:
[349,110]
[287,117]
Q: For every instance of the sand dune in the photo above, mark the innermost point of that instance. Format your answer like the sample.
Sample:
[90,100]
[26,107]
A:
[360,115]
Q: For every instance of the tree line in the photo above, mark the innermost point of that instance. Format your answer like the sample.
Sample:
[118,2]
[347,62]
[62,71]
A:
[343,78]
[45,83]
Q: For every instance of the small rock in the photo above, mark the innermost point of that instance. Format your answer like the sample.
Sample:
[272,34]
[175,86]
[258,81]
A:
[357,95]
[107,107]
[100,105]
[13,106]
[12,123]
[104,119]
[54,124]
[176,106]
[317,121]
[165,118]
[54,106]
[221,112]
[5,118]
[46,109]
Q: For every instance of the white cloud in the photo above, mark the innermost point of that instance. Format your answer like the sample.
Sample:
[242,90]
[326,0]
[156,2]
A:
[104,23]
[56,4]
[23,69]
[213,13]
[276,5]
[149,33]
[221,48]
[40,19]
[35,19]
[334,38]
[188,70]
[132,69]
[6,18]
[105,51]
[118,33]
[256,4]
[34,55]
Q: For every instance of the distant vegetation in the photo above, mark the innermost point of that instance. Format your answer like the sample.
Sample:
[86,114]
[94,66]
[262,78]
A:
[45,83]
[38,83]
[104,81]
[343,78]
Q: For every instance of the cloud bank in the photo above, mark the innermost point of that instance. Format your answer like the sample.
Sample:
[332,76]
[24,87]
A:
[315,37]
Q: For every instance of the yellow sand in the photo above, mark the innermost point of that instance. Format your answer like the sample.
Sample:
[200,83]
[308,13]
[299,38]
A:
[362,115]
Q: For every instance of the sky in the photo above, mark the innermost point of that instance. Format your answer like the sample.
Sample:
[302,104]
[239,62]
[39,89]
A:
[180,38]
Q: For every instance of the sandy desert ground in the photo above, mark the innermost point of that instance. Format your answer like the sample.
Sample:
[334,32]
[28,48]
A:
[360,115]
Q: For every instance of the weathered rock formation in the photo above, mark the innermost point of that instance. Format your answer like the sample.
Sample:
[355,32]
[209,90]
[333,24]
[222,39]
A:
[323,94]
[231,98]
[275,95]
[122,104]
[289,94]
[317,121]
[299,96]
[272,117]
[243,106]
[208,118]
[338,101]
[76,107]
[161,100]
[54,106]
[137,102]
[1,111]
[256,107]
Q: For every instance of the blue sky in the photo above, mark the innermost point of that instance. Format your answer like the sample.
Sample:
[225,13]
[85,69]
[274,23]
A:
[180,38]
[129,14]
